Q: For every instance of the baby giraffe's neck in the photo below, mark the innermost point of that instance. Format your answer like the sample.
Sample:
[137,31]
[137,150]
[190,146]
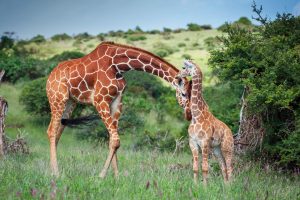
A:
[197,101]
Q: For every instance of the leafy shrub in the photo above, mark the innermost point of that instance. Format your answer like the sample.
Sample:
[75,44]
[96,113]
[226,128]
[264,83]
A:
[267,62]
[194,27]
[136,37]
[118,33]
[206,27]
[162,53]
[83,36]
[60,37]
[181,44]
[34,97]
[186,56]
[101,36]
[167,30]
[155,31]
[6,42]
[211,43]
[162,49]
[20,68]
[38,39]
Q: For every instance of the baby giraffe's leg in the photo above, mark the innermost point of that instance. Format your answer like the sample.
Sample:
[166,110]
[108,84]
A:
[227,152]
[205,151]
[195,152]
[218,154]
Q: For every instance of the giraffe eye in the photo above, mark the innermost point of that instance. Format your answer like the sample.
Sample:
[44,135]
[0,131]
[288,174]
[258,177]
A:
[183,95]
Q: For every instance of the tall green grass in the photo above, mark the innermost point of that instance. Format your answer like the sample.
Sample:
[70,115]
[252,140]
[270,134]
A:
[144,174]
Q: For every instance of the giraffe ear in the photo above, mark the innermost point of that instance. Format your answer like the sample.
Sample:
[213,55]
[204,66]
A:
[188,64]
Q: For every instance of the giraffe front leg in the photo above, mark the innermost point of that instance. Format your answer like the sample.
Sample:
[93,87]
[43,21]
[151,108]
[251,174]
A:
[195,152]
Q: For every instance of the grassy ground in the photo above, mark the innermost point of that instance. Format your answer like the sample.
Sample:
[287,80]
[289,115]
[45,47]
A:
[144,174]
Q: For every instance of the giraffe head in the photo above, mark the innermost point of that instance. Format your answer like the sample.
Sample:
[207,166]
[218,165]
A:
[189,69]
[183,93]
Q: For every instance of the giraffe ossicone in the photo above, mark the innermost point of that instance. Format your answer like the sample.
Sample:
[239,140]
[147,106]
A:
[206,132]
[97,79]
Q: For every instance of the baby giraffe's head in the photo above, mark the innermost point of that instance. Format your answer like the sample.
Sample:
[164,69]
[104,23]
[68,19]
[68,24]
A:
[189,69]
[183,93]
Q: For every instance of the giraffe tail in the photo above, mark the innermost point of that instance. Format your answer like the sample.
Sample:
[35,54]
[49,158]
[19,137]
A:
[85,120]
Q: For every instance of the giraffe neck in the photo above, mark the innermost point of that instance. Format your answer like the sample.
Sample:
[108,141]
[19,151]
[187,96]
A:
[197,100]
[126,58]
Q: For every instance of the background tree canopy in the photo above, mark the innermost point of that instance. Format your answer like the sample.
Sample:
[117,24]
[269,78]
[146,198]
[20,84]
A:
[267,62]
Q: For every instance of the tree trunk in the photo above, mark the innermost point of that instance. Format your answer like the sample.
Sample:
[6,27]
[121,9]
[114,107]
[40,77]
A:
[251,132]
[3,110]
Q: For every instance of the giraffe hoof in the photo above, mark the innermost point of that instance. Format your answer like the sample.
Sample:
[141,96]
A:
[102,174]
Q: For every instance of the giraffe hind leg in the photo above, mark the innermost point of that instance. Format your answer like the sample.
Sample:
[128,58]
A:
[217,152]
[69,108]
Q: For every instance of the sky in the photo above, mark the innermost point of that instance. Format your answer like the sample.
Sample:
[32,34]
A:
[27,18]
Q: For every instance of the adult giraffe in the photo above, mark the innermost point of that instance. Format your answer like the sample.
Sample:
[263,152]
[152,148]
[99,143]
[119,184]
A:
[97,79]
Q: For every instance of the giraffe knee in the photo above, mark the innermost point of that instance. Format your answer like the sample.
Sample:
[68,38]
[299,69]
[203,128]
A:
[115,143]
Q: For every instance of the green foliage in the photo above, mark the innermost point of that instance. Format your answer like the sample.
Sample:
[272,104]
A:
[167,30]
[162,49]
[61,37]
[186,56]
[136,37]
[181,44]
[6,42]
[34,97]
[155,31]
[223,101]
[118,33]
[268,63]
[19,68]
[212,42]
[194,27]
[206,27]
[244,20]
[242,23]
[138,29]
[101,36]
[38,39]
[83,36]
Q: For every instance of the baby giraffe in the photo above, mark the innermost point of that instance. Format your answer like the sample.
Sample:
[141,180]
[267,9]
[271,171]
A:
[205,130]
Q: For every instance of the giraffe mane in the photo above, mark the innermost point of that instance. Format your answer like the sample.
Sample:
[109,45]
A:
[141,50]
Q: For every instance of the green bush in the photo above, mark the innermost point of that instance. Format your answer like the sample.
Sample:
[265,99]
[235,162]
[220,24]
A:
[162,53]
[181,44]
[6,42]
[206,27]
[20,68]
[83,36]
[268,63]
[186,56]
[211,43]
[61,37]
[155,31]
[38,39]
[34,97]
[162,49]
[136,37]
[194,27]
